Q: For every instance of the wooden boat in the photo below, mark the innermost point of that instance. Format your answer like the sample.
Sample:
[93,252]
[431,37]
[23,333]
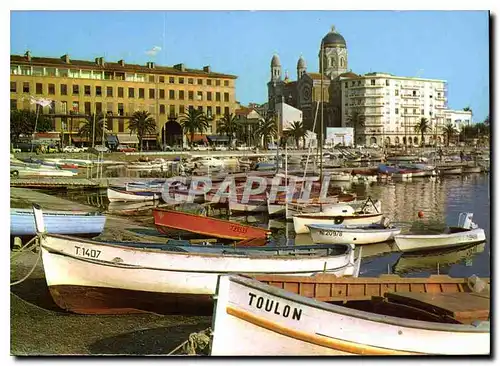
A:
[203,225]
[252,318]
[348,217]
[450,171]
[464,234]
[251,206]
[118,194]
[91,277]
[128,209]
[355,234]
[471,169]
[279,207]
[78,223]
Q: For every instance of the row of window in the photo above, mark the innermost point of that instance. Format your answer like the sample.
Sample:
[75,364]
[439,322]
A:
[109,90]
[109,75]
[396,93]
[387,83]
[120,111]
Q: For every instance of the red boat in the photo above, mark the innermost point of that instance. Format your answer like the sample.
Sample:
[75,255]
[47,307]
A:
[206,226]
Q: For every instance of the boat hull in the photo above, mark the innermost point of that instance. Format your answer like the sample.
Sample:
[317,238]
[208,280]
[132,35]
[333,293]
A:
[340,235]
[116,195]
[254,319]
[300,222]
[246,207]
[412,243]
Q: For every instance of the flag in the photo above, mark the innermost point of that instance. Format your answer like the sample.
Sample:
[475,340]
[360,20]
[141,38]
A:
[41,101]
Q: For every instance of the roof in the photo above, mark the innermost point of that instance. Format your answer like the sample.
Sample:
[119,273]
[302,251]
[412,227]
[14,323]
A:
[243,111]
[301,63]
[316,76]
[275,61]
[114,66]
[333,38]
[349,74]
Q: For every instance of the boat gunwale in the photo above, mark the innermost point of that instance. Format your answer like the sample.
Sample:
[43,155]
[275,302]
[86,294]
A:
[440,235]
[352,230]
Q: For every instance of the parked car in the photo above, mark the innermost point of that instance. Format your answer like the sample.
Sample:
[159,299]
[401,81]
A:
[71,149]
[101,148]
[52,149]
[200,148]
[125,148]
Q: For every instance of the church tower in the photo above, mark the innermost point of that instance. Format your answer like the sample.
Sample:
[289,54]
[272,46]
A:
[275,68]
[333,54]
[275,85]
[301,68]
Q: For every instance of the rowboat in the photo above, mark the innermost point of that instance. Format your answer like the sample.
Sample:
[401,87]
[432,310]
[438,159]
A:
[127,208]
[251,206]
[255,319]
[119,194]
[360,234]
[465,233]
[165,220]
[450,171]
[471,169]
[343,216]
[78,223]
[91,277]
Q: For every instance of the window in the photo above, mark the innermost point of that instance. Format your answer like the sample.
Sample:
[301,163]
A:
[396,92]
[190,95]
[406,110]
[414,111]
[151,78]
[209,111]
[52,89]
[161,79]
[39,88]
[226,111]
[151,108]
[200,108]
[181,80]
[86,90]
[226,82]
[191,108]
[13,104]
[64,89]
[190,81]
[98,108]
[171,94]
[120,92]
[162,108]
[64,107]
[387,82]
[226,97]
[141,93]
[217,97]
[171,80]
[121,111]
[13,86]
[121,125]
[171,111]
[414,93]
[209,81]
[396,111]
[181,109]
[217,110]
[181,94]
[76,90]
[372,81]
[86,108]
[347,85]
[422,112]
[200,81]
[98,91]
[109,108]
[439,95]
[131,108]
[217,82]
[199,95]
[209,95]
[151,94]
[430,96]
[109,91]
[75,107]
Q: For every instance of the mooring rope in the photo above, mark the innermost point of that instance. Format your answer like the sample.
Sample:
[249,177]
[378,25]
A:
[30,272]
[196,341]
[24,248]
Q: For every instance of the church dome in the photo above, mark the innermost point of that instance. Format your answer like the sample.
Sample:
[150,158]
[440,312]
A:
[301,64]
[333,38]
[275,61]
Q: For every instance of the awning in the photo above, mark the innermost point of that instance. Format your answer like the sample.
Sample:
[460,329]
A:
[127,138]
[47,136]
[218,138]
[112,139]
[79,139]
[149,137]
[197,138]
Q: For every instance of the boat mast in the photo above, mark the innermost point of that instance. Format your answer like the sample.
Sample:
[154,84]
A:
[321,121]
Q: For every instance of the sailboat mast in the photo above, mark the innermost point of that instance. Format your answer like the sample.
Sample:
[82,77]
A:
[321,128]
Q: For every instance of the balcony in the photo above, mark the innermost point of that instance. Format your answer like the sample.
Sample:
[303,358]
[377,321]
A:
[440,107]
[410,105]
[441,89]
[367,86]
[411,87]
[370,114]
[411,96]
[410,114]
[367,95]
[440,98]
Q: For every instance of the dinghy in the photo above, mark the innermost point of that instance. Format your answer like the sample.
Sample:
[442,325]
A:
[467,232]
[352,234]
[119,194]
[345,216]
[255,319]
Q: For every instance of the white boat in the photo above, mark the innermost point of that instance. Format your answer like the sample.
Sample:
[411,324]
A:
[402,176]
[24,171]
[255,319]
[356,234]
[340,177]
[465,233]
[117,194]
[345,217]
[235,206]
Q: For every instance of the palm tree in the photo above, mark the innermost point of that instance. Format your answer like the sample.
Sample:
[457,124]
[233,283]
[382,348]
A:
[422,127]
[297,131]
[192,121]
[22,122]
[143,124]
[356,120]
[448,132]
[267,128]
[228,125]
[87,128]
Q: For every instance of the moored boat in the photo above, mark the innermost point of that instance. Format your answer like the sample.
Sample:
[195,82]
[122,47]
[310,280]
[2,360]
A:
[120,194]
[352,234]
[301,221]
[450,171]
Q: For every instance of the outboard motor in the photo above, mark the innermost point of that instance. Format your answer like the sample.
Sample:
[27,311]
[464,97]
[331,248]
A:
[465,220]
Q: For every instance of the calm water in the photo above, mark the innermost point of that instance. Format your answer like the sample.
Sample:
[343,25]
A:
[441,201]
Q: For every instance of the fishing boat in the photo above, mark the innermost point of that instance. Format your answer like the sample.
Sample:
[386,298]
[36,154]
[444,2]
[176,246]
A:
[352,234]
[342,215]
[78,223]
[91,277]
[252,318]
[120,194]
[466,232]
[166,220]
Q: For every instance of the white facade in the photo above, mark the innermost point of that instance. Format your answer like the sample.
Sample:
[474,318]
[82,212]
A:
[287,115]
[339,135]
[458,119]
[392,106]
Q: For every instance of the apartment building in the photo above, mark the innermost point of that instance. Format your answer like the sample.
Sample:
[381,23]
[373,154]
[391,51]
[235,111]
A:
[392,106]
[80,88]
[457,118]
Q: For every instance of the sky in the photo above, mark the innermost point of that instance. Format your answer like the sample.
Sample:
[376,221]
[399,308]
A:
[445,45]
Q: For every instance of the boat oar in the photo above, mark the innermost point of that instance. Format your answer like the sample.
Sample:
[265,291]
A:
[39,223]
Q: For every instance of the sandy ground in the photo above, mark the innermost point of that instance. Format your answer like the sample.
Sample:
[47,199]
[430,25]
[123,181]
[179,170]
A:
[39,327]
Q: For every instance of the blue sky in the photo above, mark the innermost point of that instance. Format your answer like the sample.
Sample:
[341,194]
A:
[449,45]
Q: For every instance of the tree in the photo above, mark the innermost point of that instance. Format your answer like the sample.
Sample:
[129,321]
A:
[422,127]
[192,121]
[143,124]
[267,128]
[87,128]
[448,132]
[356,120]
[297,131]
[22,122]
[228,125]
[487,120]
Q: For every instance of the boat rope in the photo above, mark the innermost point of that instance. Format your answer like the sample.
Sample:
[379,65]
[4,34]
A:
[196,344]
[30,272]
[28,246]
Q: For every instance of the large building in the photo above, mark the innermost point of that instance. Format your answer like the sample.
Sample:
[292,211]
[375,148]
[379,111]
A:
[458,119]
[80,88]
[391,107]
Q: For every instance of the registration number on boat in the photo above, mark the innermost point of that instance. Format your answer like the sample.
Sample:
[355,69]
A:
[239,229]
[331,233]
[472,236]
[86,252]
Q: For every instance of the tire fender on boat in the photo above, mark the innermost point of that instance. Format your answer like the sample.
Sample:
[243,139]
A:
[338,220]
